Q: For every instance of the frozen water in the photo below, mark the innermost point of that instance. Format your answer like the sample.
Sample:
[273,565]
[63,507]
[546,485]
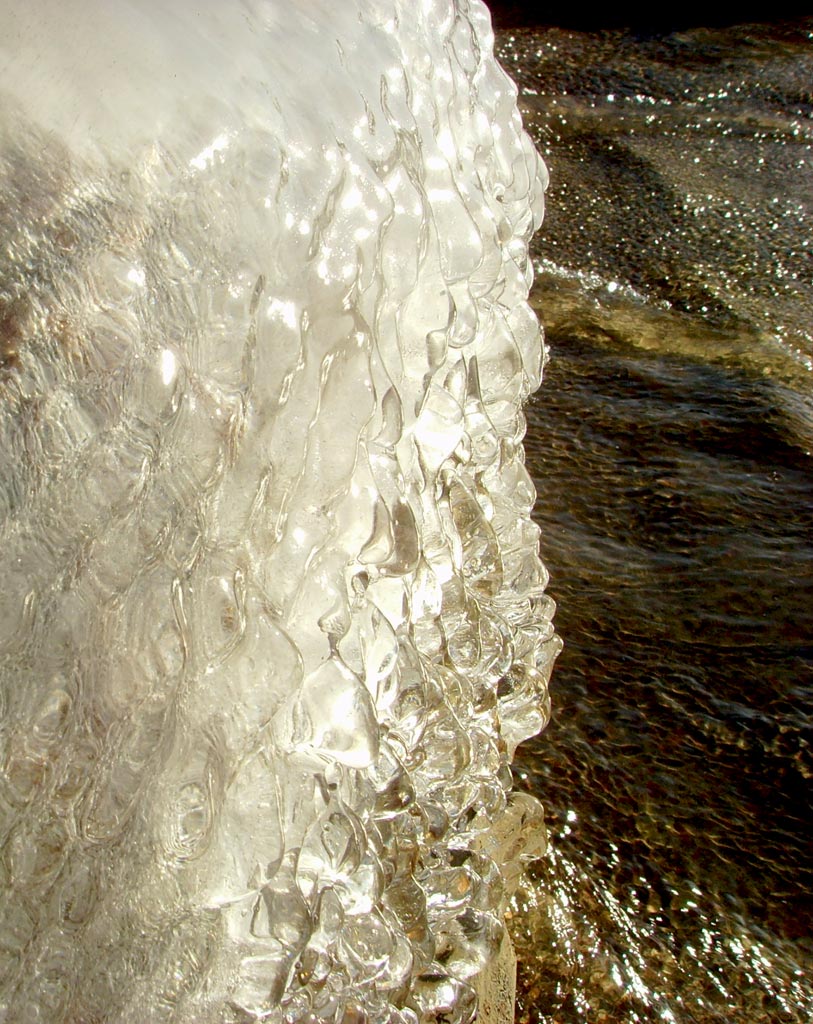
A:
[272,617]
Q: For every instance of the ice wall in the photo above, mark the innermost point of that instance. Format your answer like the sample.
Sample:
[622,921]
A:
[272,617]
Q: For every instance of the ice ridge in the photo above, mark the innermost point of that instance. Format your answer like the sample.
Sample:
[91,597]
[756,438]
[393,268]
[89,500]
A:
[272,614]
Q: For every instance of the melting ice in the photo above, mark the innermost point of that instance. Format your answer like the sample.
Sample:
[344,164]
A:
[272,617]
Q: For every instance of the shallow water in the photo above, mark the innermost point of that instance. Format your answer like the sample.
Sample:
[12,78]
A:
[680,181]
[671,448]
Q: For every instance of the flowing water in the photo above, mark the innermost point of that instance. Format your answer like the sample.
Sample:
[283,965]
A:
[671,447]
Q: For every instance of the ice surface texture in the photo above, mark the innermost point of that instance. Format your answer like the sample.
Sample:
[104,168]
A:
[272,617]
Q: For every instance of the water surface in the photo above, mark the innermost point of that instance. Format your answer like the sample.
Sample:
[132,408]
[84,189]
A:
[671,449]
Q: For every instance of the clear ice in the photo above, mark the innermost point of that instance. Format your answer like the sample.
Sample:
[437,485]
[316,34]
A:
[272,616]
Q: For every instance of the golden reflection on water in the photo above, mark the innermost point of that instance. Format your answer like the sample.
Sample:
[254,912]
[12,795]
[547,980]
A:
[670,446]
[586,954]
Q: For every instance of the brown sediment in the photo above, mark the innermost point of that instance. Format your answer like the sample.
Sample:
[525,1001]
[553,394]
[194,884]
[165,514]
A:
[13,313]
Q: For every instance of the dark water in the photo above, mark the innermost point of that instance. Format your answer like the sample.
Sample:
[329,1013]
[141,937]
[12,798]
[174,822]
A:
[671,448]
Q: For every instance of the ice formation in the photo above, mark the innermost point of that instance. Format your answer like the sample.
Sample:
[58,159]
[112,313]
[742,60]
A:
[272,616]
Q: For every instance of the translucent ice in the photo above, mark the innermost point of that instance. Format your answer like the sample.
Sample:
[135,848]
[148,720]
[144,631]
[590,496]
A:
[272,617]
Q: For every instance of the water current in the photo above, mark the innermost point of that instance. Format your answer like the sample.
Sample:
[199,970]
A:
[671,448]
